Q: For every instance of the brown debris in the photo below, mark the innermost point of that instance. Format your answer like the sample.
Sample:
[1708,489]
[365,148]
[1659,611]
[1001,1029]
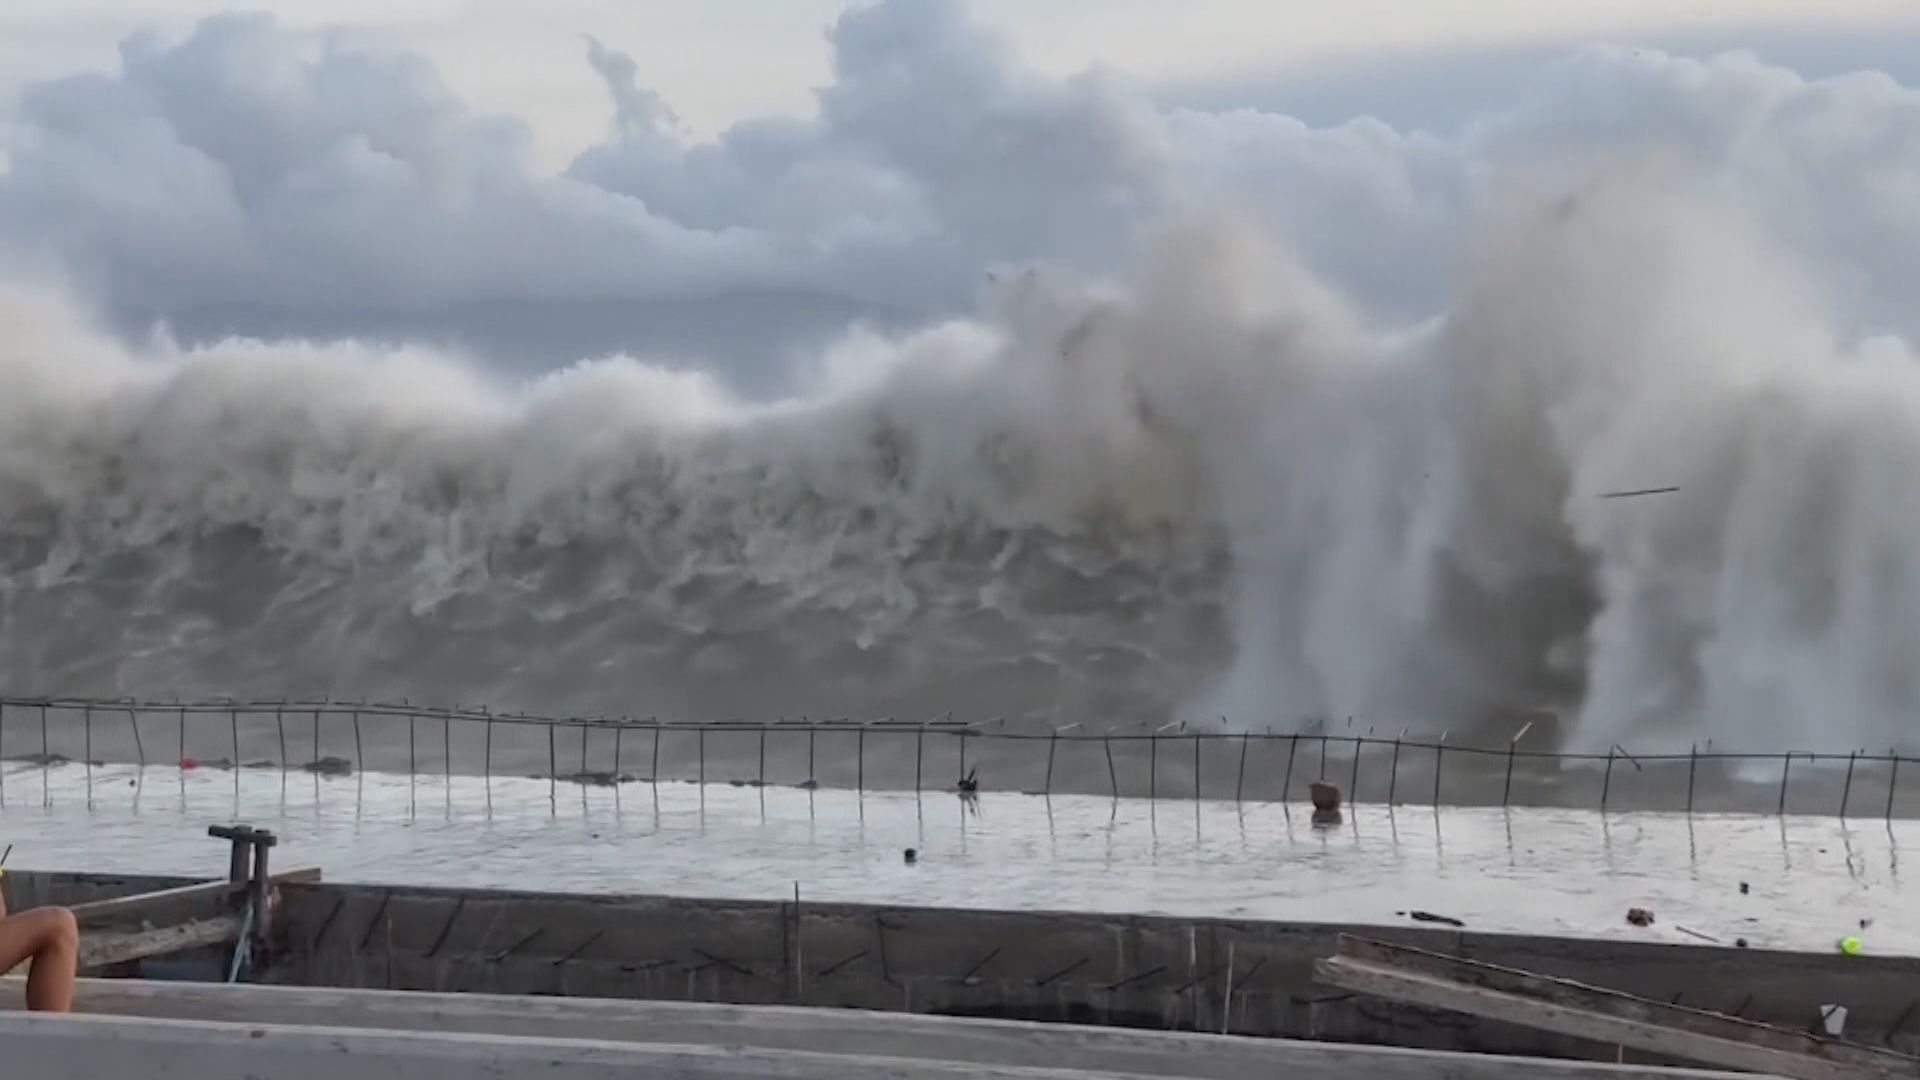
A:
[1326,797]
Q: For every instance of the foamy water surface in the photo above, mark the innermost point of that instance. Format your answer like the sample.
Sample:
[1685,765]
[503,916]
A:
[1810,880]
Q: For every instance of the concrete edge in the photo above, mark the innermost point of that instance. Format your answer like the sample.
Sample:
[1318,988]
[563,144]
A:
[784,1031]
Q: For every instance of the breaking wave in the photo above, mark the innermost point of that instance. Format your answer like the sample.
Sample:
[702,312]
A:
[1209,487]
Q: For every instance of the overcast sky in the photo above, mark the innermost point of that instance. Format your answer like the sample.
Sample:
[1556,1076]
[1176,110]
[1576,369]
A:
[542,182]
[718,61]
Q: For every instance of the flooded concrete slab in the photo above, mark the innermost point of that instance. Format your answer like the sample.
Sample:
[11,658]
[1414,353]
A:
[1808,881]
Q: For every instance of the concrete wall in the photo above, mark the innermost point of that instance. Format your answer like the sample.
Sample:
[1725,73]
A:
[89,1047]
[1205,975]
[1145,972]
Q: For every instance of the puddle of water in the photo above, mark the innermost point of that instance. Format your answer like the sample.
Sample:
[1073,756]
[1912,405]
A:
[1553,871]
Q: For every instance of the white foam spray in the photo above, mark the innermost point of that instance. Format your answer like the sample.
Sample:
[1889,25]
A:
[1208,486]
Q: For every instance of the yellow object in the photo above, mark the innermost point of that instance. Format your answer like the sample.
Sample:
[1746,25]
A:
[1850,945]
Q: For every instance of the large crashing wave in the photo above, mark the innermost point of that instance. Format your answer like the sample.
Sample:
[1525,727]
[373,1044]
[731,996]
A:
[961,520]
[1207,488]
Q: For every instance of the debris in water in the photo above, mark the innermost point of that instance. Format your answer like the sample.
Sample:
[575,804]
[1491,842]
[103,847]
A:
[1743,888]
[1697,934]
[1326,804]
[1326,797]
[1640,916]
[912,856]
[1428,916]
[970,783]
[1739,943]
[1851,945]
[597,779]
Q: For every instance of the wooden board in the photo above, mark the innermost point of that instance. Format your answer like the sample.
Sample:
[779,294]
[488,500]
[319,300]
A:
[145,906]
[106,948]
[1438,981]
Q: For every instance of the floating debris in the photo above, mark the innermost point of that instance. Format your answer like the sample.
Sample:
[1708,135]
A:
[598,779]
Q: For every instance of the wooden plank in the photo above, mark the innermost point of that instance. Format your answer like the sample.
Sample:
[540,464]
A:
[104,949]
[145,904]
[1599,1015]
[1625,1006]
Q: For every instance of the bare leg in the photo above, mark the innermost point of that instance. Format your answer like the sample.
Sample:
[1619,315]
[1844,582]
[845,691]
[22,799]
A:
[51,939]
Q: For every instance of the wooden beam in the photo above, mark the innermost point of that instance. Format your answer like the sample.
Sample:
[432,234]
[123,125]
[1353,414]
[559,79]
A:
[1434,980]
[145,905]
[105,949]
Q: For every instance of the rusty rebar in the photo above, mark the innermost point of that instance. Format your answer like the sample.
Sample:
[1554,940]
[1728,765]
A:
[1240,783]
[1393,779]
[1513,747]
[1113,776]
[1196,768]
[1293,747]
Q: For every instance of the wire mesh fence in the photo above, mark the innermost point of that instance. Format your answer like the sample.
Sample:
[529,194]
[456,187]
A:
[331,737]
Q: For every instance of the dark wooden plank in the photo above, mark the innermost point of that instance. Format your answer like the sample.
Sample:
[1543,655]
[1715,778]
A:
[1434,980]
[1626,1006]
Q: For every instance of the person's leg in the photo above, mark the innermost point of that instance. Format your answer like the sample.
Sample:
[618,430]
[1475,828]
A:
[51,939]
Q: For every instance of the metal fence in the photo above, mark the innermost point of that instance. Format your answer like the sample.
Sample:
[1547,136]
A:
[1179,761]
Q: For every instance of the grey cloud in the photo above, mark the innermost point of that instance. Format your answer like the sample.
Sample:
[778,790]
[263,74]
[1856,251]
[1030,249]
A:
[232,181]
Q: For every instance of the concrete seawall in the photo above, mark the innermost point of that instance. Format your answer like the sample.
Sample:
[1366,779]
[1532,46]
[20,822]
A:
[1193,974]
[1251,978]
[1144,972]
